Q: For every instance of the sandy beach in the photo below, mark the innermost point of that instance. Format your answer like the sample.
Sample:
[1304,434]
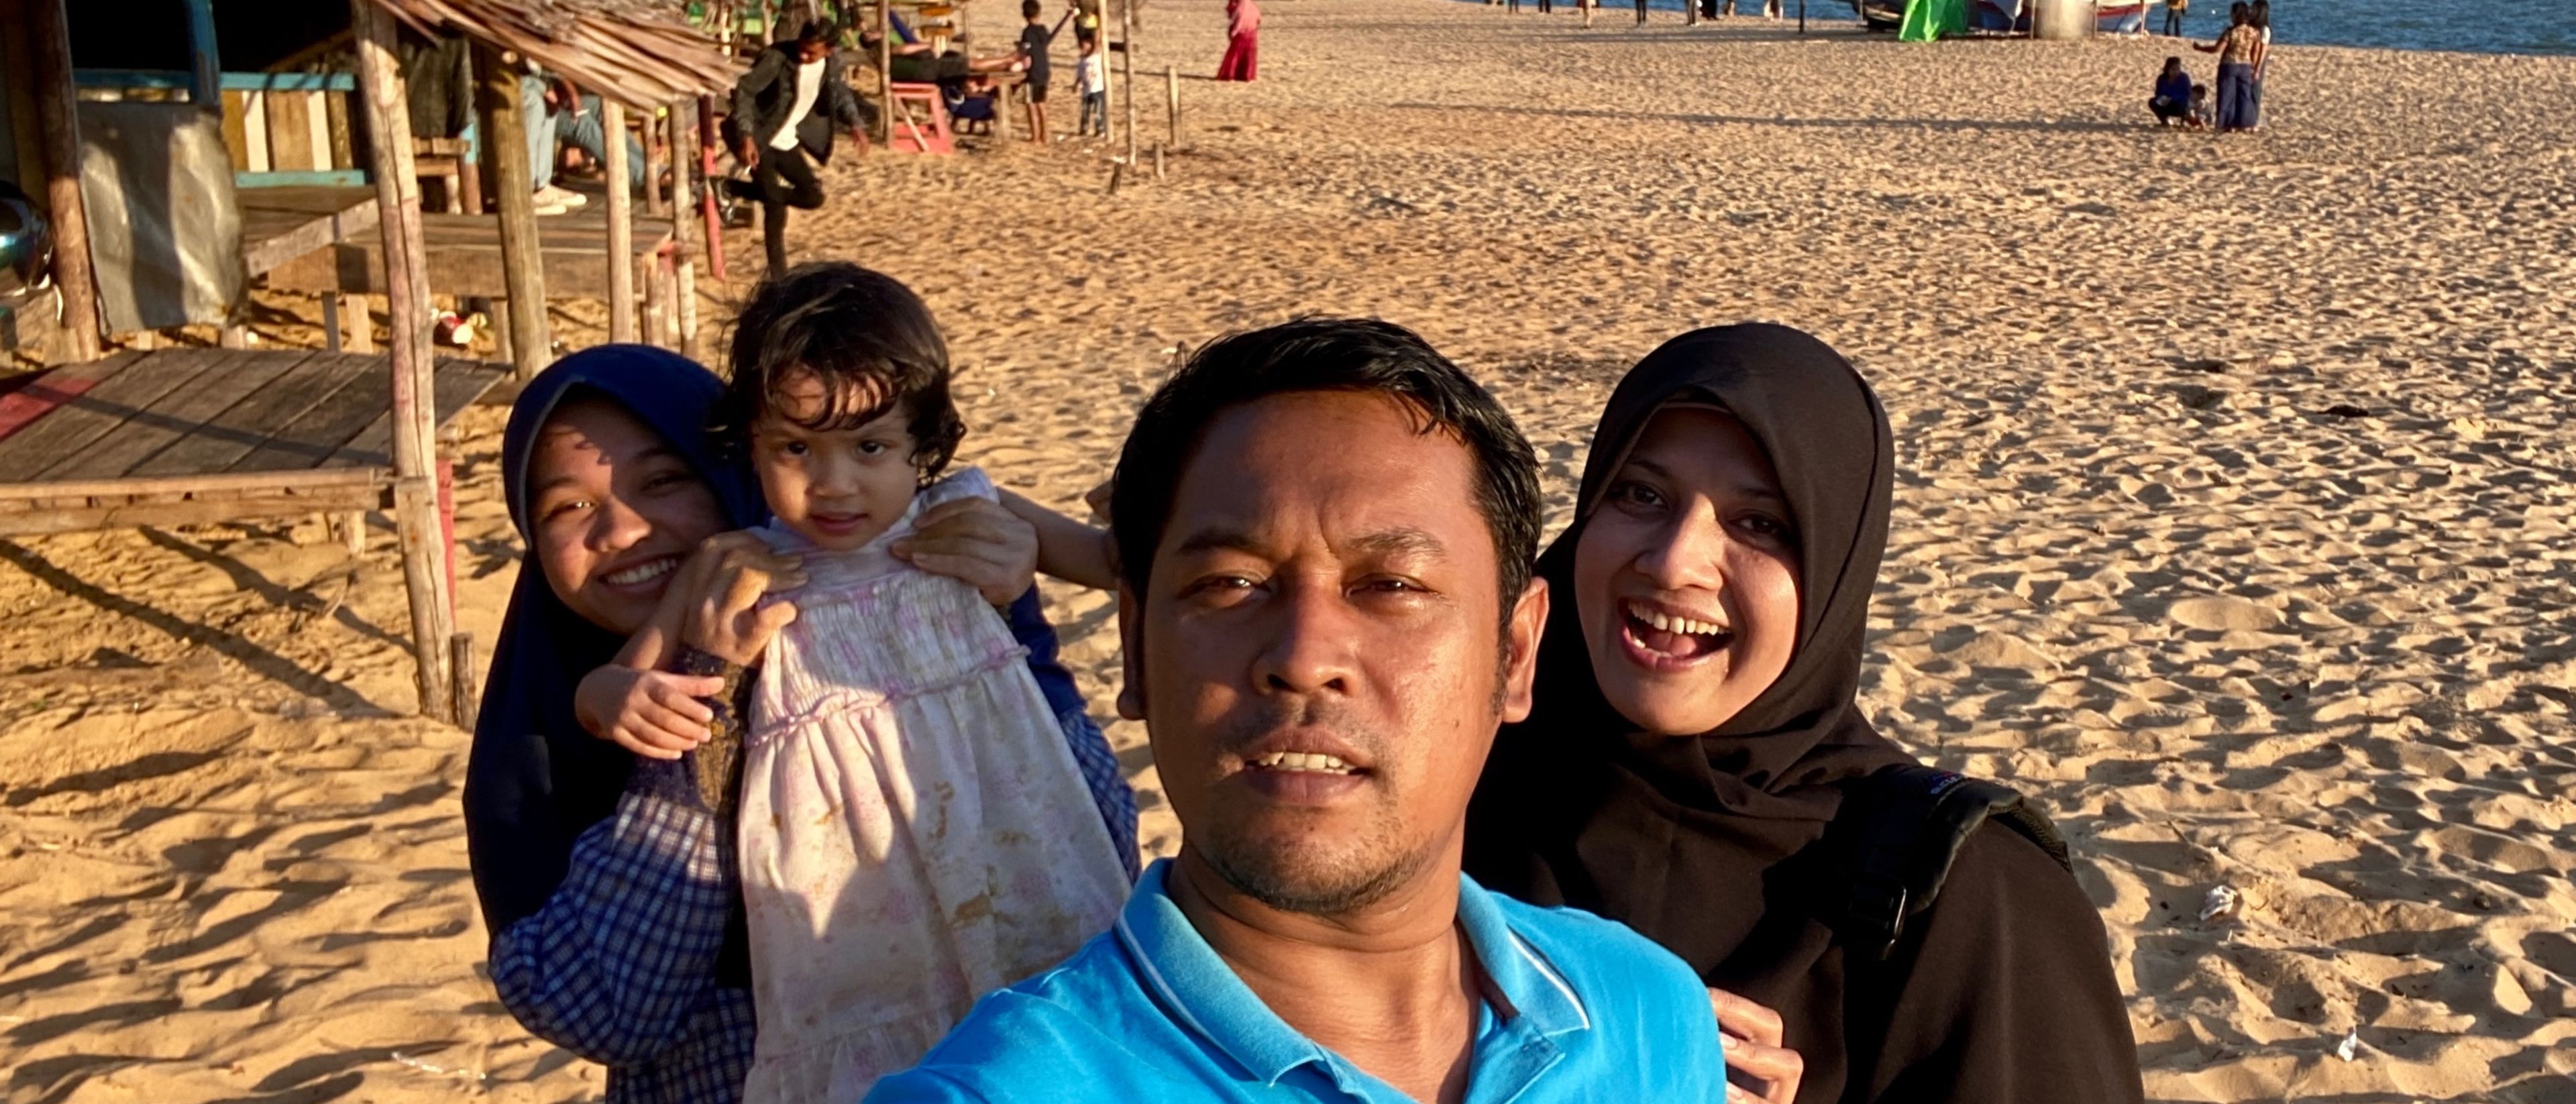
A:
[2233,519]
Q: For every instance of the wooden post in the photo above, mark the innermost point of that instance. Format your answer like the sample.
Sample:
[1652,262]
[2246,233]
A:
[59,119]
[707,217]
[656,161]
[1127,71]
[1172,106]
[621,225]
[885,72]
[467,696]
[357,330]
[205,86]
[655,309]
[416,518]
[505,142]
[688,271]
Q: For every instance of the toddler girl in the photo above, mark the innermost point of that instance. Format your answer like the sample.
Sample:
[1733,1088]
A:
[912,830]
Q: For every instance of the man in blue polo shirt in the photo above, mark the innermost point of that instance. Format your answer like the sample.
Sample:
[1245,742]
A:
[1325,533]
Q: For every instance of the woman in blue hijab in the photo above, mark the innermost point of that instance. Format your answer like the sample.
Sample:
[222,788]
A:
[608,883]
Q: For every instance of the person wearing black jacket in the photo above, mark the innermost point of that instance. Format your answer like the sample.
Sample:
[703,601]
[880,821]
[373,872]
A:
[1696,745]
[783,113]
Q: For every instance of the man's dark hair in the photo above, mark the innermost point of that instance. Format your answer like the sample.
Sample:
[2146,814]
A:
[868,338]
[814,30]
[1324,354]
[1029,9]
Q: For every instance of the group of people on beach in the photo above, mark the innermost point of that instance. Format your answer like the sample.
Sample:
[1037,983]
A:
[2242,52]
[779,793]
[796,96]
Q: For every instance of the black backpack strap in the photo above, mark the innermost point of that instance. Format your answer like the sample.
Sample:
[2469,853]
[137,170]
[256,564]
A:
[1890,847]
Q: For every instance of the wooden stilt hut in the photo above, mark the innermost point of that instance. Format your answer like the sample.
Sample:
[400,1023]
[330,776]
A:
[181,436]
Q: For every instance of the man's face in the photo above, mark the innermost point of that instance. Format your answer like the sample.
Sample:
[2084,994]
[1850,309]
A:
[1320,654]
[813,50]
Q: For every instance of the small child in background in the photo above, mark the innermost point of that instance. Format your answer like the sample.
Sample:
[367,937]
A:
[2172,101]
[1035,39]
[2203,114]
[913,830]
[1091,74]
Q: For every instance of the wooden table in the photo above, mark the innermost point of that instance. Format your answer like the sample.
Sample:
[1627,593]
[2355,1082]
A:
[281,224]
[464,254]
[192,436]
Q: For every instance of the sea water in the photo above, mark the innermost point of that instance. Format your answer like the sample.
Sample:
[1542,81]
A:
[2468,26]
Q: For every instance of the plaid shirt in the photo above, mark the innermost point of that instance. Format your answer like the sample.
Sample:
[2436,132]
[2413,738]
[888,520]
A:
[620,965]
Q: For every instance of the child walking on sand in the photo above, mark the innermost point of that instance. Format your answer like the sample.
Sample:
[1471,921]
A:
[913,831]
[1091,74]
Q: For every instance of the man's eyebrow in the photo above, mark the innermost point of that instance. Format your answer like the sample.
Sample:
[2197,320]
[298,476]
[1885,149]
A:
[1395,540]
[1216,540]
[1399,540]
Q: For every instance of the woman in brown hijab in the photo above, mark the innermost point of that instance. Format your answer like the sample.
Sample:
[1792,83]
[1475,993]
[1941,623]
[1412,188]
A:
[1696,732]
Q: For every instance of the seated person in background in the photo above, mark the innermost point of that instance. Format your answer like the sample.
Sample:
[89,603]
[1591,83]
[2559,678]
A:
[2172,102]
[2204,115]
[1321,643]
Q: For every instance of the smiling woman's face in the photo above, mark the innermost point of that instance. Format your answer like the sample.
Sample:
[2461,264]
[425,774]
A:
[1686,576]
[613,510]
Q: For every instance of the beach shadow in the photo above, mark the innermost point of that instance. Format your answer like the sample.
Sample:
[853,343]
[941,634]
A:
[268,664]
[299,599]
[1943,125]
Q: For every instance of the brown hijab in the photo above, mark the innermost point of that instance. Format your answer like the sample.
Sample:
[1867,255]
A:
[1703,844]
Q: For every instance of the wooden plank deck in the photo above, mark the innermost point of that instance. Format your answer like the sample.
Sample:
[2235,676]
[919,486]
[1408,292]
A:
[191,435]
[282,224]
[464,254]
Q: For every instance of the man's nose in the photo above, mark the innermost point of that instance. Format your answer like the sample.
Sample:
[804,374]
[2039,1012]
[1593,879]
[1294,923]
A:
[1313,643]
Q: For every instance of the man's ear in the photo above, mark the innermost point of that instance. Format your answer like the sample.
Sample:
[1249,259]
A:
[1520,643]
[1131,641]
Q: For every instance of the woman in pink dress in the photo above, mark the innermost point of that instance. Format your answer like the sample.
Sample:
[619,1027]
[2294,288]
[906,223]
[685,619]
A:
[1243,43]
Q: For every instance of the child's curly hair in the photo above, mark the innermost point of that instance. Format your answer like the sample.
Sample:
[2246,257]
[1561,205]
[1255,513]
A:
[868,338]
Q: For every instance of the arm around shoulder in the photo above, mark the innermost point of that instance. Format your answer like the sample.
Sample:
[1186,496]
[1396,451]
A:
[2008,996]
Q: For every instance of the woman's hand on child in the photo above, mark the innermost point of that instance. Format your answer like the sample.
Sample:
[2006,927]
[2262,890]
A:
[655,714]
[721,590]
[1753,1047]
[976,542]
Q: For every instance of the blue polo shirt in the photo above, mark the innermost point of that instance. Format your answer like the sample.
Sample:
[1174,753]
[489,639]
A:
[1590,1011]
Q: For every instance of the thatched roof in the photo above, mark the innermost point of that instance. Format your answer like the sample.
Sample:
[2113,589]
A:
[636,52]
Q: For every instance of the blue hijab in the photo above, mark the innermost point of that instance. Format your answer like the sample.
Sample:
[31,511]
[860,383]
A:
[535,779]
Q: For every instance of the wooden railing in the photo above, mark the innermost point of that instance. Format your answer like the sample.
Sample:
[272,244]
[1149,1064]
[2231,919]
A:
[283,129]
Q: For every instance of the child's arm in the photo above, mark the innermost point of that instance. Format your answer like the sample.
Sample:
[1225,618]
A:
[653,713]
[1067,549]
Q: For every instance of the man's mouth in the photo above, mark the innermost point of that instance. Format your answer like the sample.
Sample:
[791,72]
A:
[638,574]
[1661,635]
[1315,761]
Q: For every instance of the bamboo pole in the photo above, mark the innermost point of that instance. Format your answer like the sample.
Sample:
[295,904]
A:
[416,518]
[657,160]
[522,252]
[708,220]
[1127,71]
[885,72]
[621,225]
[59,118]
[1172,106]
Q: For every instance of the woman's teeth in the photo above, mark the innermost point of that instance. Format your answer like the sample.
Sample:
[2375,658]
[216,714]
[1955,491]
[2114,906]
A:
[1662,623]
[1302,761]
[643,572]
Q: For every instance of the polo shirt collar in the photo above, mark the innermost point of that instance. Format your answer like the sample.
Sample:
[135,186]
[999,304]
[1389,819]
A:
[1186,975]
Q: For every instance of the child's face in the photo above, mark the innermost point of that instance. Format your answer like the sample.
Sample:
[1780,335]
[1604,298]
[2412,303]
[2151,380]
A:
[839,488]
